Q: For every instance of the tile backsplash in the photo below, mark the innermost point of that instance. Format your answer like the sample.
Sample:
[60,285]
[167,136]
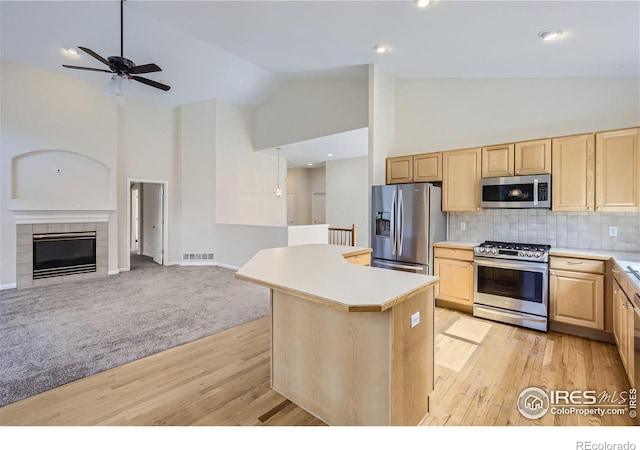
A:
[542,226]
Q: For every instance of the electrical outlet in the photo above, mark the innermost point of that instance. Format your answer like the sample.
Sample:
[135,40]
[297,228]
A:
[613,231]
[56,170]
[415,319]
[463,226]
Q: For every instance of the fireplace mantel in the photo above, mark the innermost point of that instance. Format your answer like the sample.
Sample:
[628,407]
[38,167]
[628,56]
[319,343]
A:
[25,217]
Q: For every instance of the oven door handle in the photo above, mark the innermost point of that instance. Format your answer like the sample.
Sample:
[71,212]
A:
[517,265]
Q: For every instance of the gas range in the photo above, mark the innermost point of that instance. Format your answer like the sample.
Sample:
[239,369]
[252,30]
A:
[514,251]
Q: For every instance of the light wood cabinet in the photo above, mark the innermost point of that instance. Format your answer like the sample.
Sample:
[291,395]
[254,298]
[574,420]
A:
[618,171]
[423,168]
[623,323]
[497,161]
[400,170]
[454,267]
[461,173]
[532,157]
[427,167]
[575,297]
[522,158]
[573,160]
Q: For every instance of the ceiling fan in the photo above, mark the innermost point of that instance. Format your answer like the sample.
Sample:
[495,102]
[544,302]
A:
[121,67]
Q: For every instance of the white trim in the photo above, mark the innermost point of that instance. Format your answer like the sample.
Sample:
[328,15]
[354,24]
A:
[115,272]
[4,287]
[172,263]
[165,216]
[37,217]
[124,269]
[227,266]
[198,263]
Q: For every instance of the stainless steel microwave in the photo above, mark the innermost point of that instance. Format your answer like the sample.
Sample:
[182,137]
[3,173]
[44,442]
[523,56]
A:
[531,191]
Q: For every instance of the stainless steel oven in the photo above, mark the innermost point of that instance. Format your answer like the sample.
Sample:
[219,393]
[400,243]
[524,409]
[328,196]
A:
[511,290]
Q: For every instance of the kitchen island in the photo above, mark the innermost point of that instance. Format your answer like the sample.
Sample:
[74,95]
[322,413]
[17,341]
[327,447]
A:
[351,344]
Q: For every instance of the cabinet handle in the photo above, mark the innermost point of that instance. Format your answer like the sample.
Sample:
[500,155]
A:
[625,306]
[452,251]
[552,273]
[589,208]
[599,208]
[574,262]
[615,291]
[614,271]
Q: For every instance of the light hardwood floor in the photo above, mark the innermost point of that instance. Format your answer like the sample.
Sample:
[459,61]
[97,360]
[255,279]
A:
[224,380]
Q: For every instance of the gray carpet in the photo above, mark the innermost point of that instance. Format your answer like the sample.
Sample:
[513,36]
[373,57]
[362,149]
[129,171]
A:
[50,336]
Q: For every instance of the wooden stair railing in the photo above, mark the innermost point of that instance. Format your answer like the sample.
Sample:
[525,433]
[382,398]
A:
[343,236]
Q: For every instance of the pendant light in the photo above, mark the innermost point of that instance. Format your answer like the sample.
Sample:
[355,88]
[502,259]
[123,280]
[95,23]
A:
[278,192]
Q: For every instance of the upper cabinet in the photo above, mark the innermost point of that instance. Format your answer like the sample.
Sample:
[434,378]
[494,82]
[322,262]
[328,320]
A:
[400,170]
[461,170]
[532,157]
[426,167]
[618,171]
[600,173]
[522,158]
[497,161]
[573,173]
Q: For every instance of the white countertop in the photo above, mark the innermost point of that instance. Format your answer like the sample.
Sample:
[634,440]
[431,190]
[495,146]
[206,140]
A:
[457,244]
[319,272]
[596,254]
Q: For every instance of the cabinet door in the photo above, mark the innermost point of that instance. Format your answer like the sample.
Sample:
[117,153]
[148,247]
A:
[573,160]
[618,171]
[427,167]
[456,281]
[617,315]
[400,170]
[533,157]
[627,338]
[576,298]
[497,161]
[461,180]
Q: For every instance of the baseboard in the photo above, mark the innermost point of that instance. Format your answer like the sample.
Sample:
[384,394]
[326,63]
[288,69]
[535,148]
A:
[208,263]
[116,272]
[148,255]
[4,287]
[172,263]
[198,263]
[227,266]
[588,333]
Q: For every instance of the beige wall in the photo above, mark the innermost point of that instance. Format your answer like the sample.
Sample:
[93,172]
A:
[245,179]
[445,114]
[347,196]
[308,109]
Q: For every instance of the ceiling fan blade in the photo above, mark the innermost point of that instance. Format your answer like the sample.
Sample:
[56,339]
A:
[146,68]
[86,68]
[95,55]
[151,83]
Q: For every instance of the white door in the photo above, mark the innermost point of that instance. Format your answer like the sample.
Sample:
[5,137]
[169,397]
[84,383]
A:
[318,205]
[158,214]
[291,210]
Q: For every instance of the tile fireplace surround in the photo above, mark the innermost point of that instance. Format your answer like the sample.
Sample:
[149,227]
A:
[24,251]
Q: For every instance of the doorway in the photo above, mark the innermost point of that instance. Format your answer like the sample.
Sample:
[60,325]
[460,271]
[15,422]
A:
[146,224]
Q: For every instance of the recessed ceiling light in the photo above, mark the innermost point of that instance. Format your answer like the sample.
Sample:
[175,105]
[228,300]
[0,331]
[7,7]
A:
[550,35]
[71,51]
[309,164]
[330,154]
[423,3]
[381,49]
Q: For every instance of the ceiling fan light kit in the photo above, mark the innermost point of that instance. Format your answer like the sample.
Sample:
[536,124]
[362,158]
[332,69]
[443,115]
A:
[124,70]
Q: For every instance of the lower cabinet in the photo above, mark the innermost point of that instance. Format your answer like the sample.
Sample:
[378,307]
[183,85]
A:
[576,297]
[623,328]
[454,267]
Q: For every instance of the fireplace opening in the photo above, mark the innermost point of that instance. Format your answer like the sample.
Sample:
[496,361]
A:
[58,254]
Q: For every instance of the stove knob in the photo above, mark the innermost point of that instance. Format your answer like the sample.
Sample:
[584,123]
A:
[521,253]
[529,253]
[481,250]
[538,254]
[494,251]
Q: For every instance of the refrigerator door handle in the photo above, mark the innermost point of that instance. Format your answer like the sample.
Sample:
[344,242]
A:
[393,224]
[400,221]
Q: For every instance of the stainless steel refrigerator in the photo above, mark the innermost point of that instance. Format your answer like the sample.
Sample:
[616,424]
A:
[406,220]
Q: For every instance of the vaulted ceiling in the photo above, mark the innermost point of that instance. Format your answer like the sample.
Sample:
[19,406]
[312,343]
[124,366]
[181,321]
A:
[241,51]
